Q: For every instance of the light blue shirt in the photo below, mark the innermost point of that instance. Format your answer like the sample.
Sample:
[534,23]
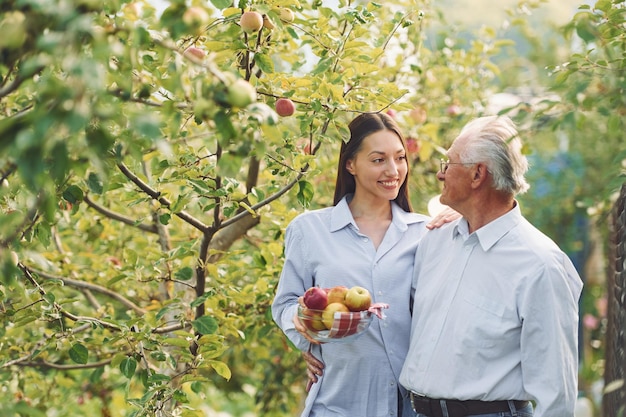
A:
[324,248]
[495,317]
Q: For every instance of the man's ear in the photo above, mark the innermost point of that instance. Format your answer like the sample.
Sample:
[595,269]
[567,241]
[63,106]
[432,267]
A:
[480,174]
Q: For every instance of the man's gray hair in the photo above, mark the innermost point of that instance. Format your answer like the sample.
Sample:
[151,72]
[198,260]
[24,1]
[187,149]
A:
[495,141]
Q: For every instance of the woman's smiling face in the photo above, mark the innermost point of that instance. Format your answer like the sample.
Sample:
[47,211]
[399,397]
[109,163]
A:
[380,166]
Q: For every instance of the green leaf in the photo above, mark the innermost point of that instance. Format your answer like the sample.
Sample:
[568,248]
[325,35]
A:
[128,367]
[94,183]
[224,127]
[184,274]
[265,63]
[205,325]
[305,193]
[221,4]
[322,66]
[195,303]
[73,194]
[222,369]
[79,353]
[174,341]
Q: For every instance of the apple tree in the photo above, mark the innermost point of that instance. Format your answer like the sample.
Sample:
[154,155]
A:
[147,180]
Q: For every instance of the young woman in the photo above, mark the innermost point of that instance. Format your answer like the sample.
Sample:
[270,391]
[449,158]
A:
[368,238]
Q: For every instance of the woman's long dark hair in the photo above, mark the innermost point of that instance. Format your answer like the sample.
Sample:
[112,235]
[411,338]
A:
[361,127]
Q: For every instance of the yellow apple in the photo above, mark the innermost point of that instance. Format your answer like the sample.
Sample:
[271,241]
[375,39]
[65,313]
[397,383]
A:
[251,22]
[358,299]
[328,315]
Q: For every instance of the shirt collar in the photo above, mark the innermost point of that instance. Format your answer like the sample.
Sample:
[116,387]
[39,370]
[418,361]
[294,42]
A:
[491,233]
[342,216]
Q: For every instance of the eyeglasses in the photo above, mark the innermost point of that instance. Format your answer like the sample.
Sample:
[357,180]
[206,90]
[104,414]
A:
[443,165]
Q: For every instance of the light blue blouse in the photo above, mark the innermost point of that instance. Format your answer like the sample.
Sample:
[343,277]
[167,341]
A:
[324,248]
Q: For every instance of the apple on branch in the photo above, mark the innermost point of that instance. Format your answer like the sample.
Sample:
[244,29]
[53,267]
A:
[358,299]
[240,93]
[251,22]
[285,107]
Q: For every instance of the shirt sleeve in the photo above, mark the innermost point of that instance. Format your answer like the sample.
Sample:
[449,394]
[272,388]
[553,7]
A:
[295,278]
[549,339]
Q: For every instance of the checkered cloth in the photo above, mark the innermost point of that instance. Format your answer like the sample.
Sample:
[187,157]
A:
[346,324]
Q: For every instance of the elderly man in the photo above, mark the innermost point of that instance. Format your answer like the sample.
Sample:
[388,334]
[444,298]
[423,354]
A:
[495,316]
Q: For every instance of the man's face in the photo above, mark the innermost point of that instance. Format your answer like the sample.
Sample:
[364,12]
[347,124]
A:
[457,177]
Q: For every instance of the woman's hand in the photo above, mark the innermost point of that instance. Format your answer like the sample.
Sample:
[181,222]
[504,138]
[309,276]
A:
[299,326]
[446,215]
[314,368]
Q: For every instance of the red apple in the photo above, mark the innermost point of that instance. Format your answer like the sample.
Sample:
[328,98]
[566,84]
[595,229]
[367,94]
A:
[413,145]
[453,110]
[285,107]
[337,294]
[251,22]
[315,298]
[358,299]
[312,319]
[328,315]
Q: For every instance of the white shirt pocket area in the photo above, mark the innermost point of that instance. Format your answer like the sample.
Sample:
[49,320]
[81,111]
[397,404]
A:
[486,322]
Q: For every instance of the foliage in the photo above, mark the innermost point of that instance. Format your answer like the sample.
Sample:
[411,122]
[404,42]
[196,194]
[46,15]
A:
[143,211]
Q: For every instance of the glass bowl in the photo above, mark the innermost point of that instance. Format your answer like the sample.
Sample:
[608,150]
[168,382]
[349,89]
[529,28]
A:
[345,326]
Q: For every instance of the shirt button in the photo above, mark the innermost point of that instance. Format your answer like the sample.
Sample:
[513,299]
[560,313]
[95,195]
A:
[365,239]
[380,293]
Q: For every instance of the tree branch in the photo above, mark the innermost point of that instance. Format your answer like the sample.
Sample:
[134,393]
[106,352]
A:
[116,216]
[50,365]
[164,201]
[91,287]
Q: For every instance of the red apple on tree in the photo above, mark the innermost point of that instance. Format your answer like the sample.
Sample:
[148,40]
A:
[337,294]
[358,299]
[285,107]
[328,315]
[453,110]
[251,22]
[315,298]
[413,145]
